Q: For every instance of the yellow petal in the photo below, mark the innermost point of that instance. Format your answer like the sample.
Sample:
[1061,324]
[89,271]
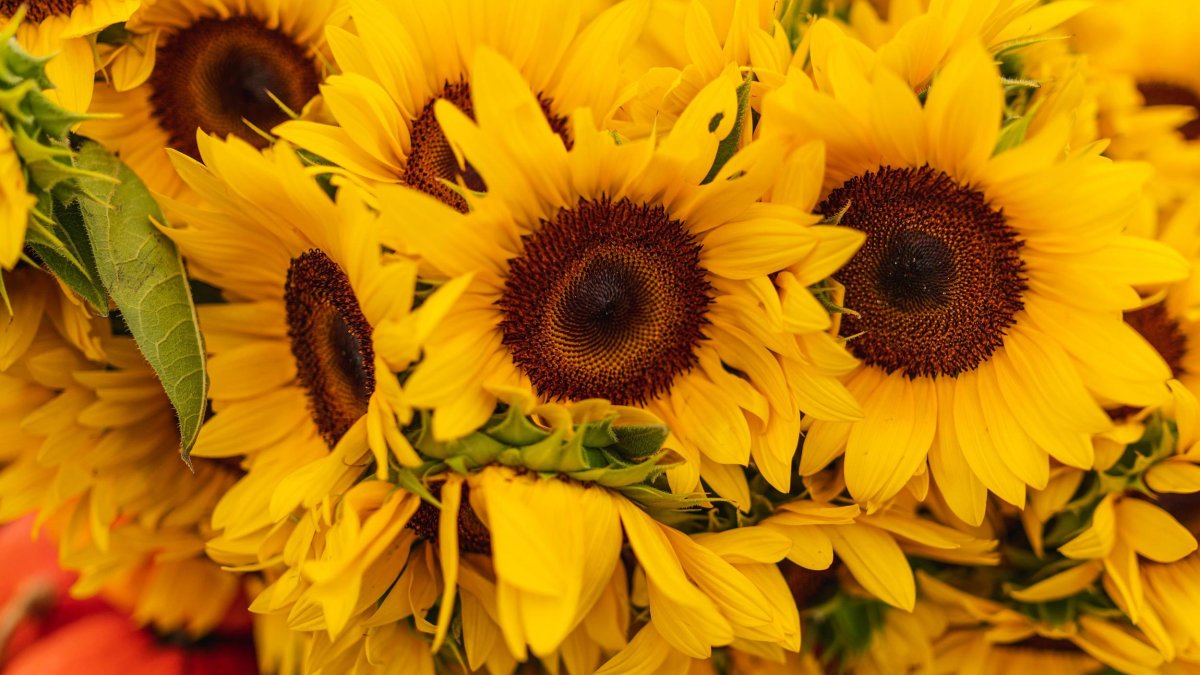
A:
[1061,585]
[876,561]
[1153,532]
[1097,540]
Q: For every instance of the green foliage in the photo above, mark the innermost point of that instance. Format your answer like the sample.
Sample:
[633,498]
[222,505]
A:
[627,458]
[143,273]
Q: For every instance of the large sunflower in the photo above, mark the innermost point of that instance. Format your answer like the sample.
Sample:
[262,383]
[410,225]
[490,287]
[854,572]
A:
[610,271]
[408,55]
[514,552]
[91,445]
[294,357]
[66,29]
[986,303]
[225,68]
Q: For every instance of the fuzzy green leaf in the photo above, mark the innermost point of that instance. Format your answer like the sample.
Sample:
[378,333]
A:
[145,277]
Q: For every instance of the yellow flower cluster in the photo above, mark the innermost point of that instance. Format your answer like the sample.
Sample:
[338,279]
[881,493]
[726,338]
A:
[616,336]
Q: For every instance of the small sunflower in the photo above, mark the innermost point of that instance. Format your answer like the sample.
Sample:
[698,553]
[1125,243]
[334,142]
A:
[406,56]
[224,68]
[514,524]
[610,271]
[91,446]
[294,359]
[1147,46]
[66,29]
[985,303]
[916,38]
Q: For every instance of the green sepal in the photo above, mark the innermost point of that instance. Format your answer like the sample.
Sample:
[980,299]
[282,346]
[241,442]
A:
[410,481]
[514,428]
[641,441]
[58,254]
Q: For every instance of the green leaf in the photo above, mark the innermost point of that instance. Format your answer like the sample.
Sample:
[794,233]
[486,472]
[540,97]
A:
[729,144]
[56,252]
[145,277]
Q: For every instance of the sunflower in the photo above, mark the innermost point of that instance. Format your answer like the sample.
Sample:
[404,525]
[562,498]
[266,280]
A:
[1143,53]
[225,68]
[294,358]
[66,29]
[916,38]
[15,202]
[406,56]
[91,446]
[987,637]
[609,271]
[534,559]
[674,70]
[983,272]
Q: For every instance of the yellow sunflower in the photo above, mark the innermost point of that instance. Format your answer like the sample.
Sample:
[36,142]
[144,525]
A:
[916,38]
[408,55]
[610,271]
[294,359]
[225,68]
[535,561]
[91,445]
[15,202]
[1143,52]
[986,302]
[672,71]
[986,637]
[66,30]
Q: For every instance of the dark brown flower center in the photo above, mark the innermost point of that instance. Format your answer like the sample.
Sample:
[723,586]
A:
[1162,93]
[473,535]
[1162,332]
[38,10]
[607,301]
[331,340]
[431,161]
[220,75]
[939,279]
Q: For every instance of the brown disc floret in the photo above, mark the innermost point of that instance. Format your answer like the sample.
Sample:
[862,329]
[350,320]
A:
[432,166]
[37,10]
[939,279]
[608,300]
[331,341]
[223,76]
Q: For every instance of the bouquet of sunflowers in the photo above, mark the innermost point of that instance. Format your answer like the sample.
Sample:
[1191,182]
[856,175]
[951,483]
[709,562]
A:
[599,336]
